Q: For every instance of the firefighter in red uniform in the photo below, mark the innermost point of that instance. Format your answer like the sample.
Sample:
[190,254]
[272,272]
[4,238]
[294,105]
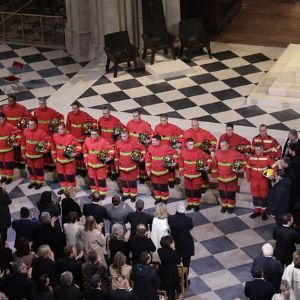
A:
[44,114]
[269,144]
[200,136]
[259,184]
[127,167]
[14,113]
[234,139]
[65,164]
[188,161]
[97,169]
[135,127]
[167,130]
[156,169]
[31,138]
[74,125]
[222,168]
[6,150]
[106,125]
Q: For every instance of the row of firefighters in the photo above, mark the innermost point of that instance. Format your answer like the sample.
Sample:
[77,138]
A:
[109,148]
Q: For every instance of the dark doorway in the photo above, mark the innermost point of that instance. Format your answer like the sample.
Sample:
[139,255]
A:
[190,9]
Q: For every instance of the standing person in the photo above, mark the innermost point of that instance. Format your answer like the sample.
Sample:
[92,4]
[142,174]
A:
[166,131]
[222,168]
[135,127]
[181,226]
[270,144]
[5,218]
[14,113]
[168,271]
[7,149]
[123,290]
[119,267]
[67,290]
[286,237]
[65,163]
[106,125]
[193,177]
[68,204]
[95,292]
[259,184]
[234,140]
[156,169]
[291,139]
[126,166]
[286,293]
[75,125]
[33,154]
[72,228]
[145,279]
[97,169]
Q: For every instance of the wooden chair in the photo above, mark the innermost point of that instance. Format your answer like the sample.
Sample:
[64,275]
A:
[183,274]
[13,80]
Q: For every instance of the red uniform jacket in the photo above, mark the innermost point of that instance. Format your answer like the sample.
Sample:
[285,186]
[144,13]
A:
[199,136]
[257,164]
[106,126]
[90,149]
[154,158]
[123,152]
[75,121]
[59,143]
[44,116]
[167,131]
[29,140]
[222,164]
[7,130]
[136,127]
[234,140]
[270,145]
[188,162]
[15,113]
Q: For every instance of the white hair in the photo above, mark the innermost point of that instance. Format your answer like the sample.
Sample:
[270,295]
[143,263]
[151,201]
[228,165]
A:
[180,207]
[267,249]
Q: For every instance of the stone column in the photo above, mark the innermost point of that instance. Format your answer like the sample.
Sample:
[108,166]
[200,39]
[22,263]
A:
[172,15]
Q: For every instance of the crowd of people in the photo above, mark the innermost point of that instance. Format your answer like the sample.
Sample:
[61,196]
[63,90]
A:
[66,252]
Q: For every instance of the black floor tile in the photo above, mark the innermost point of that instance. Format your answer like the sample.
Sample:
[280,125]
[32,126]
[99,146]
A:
[8,54]
[181,104]
[207,118]
[215,66]
[285,115]
[34,58]
[250,111]
[160,87]
[226,94]
[256,58]
[214,108]
[224,55]
[63,61]
[236,81]
[279,126]
[148,100]
[88,93]
[115,96]
[204,78]
[192,91]
[128,84]
[245,70]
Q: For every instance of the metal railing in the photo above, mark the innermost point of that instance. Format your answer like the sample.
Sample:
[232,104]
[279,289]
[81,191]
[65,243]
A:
[32,28]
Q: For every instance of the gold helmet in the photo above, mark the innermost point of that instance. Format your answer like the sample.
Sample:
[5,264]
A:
[237,165]
[174,141]
[69,150]
[136,155]
[145,139]
[205,145]
[53,124]
[169,161]
[40,147]
[241,148]
[102,155]
[86,128]
[116,132]
[11,140]
[201,165]
[23,123]
[269,172]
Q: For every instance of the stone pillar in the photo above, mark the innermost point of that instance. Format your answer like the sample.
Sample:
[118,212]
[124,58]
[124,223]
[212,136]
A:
[172,15]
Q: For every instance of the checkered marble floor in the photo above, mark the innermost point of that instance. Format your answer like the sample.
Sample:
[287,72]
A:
[225,244]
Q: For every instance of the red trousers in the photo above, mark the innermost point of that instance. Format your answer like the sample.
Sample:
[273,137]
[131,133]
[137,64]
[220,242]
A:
[160,186]
[7,164]
[129,182]
[66,174]
[193,190]
[36,170]
[97,178]
[260,191]
[227,191]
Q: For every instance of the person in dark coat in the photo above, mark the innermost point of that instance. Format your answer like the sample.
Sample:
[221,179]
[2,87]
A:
[258,288]
[123,291]
[168,271]
[26,225]
[67,290]
[278,200]
[272,268]
[180,226]
[48,234]
[5,219]
[18,278]
[139,217]
[145,279]
[290,141]
[95,292]
[95,209]
[140,243]
[42,289]
[286,237]
[5,256]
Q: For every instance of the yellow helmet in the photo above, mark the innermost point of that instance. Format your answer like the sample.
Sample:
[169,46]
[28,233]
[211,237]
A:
[268,172]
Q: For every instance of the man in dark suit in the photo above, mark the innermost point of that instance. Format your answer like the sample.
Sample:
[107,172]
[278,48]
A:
[5,219]
[95,209]
[123,291]
[258,288]
[272,268]
[139,217]
[141,242]
[286,237]
[26,225]
[291,140]
[180,226]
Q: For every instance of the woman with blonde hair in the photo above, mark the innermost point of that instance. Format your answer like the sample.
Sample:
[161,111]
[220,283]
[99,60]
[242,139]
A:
[91,238]
[286,293]
[160,226]
[292,274]
[119,267]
